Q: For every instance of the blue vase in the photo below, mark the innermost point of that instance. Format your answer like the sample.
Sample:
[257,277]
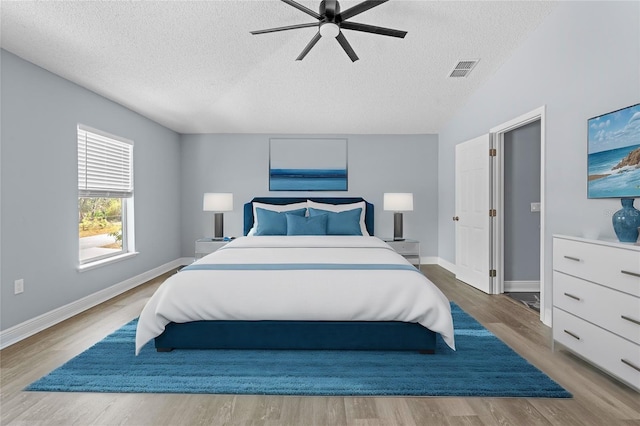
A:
[626,221]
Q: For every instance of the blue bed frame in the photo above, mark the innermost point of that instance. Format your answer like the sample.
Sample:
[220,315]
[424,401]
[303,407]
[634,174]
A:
[329,335]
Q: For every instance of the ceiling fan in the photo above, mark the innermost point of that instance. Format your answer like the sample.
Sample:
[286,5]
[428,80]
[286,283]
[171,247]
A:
[331,21]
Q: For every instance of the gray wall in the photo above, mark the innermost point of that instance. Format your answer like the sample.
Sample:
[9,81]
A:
[239,163]
[39,229]
[521,188]
[582,61]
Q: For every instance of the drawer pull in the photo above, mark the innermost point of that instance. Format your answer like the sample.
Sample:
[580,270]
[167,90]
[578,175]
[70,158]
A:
[630,364]
[635,321]
[572,296]
[633,274]
[575,336]
[572,258]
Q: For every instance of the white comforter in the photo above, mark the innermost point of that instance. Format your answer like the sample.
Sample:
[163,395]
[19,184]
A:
[307,295]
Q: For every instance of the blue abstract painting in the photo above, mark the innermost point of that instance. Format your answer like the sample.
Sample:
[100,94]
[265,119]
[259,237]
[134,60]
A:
[308,164]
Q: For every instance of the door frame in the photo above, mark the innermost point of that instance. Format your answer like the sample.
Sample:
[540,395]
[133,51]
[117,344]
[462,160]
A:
[497,134]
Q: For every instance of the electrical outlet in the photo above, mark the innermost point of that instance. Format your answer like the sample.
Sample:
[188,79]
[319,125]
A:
[18,286]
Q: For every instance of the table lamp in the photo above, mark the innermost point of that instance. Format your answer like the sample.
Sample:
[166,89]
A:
[398,202]
[218,203]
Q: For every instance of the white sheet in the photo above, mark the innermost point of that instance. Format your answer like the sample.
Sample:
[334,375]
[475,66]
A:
[318,295]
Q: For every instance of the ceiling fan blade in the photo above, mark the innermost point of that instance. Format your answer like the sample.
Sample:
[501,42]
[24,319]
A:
[372,29]
[312,43]
[288,27]
[303,8]
[347,47]
[358,9]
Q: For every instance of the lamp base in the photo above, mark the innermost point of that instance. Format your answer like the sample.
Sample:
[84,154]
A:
[218,226]
[397,227]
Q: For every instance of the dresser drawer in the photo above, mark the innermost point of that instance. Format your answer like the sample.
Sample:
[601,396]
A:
[614,267]
[610,309]
[614,354]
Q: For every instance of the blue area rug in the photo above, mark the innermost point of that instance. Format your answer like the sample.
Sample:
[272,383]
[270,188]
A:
[481,366]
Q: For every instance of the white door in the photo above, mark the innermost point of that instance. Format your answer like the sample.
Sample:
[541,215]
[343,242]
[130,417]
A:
[472,219]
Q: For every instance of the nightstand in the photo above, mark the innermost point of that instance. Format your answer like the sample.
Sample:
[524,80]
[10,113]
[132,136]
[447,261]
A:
[409,249]
[205,246]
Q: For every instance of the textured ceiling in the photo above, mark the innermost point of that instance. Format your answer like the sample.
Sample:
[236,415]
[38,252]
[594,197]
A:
[193,66]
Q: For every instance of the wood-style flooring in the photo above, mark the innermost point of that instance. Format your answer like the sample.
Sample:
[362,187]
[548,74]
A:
[598,399]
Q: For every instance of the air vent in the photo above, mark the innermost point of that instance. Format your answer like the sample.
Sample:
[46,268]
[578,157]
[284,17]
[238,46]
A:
[463,68]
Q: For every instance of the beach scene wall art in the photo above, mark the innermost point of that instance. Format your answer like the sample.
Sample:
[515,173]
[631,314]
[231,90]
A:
[301,164]
[614,154]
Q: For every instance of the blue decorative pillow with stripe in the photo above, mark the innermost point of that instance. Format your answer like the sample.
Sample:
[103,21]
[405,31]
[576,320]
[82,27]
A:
[340,223]
[316,225]
[274,223]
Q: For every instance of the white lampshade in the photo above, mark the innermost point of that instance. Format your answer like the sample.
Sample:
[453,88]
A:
[398,201]
[217,202]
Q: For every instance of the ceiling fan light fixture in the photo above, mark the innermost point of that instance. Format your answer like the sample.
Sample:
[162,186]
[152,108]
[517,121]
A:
[329,29]
[331,21]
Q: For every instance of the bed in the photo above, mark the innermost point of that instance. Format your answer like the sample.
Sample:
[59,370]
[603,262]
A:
[327,289]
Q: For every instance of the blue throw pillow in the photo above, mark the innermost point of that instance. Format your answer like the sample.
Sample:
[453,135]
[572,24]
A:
[340,223]
[274,223]
[297,225]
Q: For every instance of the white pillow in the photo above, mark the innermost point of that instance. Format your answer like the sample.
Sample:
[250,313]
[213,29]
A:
[273,208]
[341,208]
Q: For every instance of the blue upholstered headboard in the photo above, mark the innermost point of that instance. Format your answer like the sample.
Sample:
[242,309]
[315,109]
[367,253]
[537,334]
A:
[248,207]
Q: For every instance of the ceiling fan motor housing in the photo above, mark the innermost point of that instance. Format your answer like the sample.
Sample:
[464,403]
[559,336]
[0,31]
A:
[329,9]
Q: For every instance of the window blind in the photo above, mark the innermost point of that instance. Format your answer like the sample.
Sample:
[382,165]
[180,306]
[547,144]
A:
[105,165]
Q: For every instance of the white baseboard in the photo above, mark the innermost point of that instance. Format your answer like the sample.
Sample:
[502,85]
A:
[185,261]
[521,286]
[429,260]
[451,267]
[34,325]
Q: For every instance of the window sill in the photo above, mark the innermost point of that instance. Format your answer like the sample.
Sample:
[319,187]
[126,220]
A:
[103,262]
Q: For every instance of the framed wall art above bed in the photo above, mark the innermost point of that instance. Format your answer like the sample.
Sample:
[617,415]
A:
[301,164]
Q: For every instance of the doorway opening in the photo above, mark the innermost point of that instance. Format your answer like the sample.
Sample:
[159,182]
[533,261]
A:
[518,193]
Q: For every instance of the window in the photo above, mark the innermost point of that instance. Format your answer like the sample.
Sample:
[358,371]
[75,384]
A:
[105,195]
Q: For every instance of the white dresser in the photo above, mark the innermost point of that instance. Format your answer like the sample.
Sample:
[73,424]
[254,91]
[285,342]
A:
[596,303]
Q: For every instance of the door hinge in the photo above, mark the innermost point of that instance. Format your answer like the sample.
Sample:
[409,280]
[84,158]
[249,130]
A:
[492,272]
[492,212]
[492,152]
